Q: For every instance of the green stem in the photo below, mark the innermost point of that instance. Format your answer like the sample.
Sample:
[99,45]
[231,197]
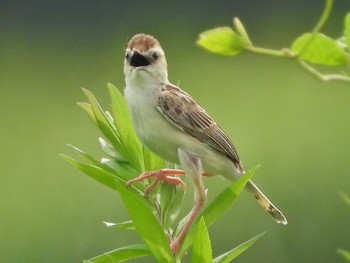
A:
[286,53]
[321,22]
[324,77]
[324,17]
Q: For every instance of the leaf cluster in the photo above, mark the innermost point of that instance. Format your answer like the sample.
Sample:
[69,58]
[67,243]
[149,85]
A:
[154,217]
[312,47]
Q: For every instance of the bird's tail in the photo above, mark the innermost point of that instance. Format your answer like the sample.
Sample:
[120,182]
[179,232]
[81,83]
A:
[266,204]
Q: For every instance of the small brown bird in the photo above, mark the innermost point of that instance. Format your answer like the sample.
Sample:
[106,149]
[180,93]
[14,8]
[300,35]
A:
[174,126]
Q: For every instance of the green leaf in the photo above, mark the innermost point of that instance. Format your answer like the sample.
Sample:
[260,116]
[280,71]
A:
[146,224]
[345,253]
[110,150]
[232,254]
[122,121]
[151,161]
[320,49]
[345,197]
[224,200]
[97,173]
[201,251]
[347,30]
[218,207]
[121,254]
[241,31]
[101,175]
[87,108]
[124,225]
[104,124]
[91,159]
[221,40]
[171,199]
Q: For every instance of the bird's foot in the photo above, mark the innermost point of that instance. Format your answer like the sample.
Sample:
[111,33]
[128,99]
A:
[159,175]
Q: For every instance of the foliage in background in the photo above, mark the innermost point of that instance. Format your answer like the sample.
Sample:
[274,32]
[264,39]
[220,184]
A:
[313,47]
[154,217]
[345,253]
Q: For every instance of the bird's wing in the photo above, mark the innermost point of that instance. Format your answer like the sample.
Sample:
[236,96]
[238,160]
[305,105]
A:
[184,113]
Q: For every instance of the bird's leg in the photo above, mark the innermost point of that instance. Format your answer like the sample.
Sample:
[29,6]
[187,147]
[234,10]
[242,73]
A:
[193,166]
[160,175]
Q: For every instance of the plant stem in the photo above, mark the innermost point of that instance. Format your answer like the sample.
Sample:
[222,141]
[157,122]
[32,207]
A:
[324,17]
[320,23]
[325,77]
[285,53]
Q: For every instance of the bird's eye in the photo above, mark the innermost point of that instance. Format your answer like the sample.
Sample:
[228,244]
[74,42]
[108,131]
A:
[155,55]
[127,55]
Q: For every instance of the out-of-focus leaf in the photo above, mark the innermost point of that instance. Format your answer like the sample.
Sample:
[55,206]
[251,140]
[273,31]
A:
[218,207]
[201,251]
[347,30]
[221,40]
[241,31]
[345,253]
[125,225]
[121,254]
[122,121]
[320,49]
[345,197]
[232,254]
[146,224]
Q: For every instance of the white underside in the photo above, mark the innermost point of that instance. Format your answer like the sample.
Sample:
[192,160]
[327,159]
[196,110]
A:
[164,139]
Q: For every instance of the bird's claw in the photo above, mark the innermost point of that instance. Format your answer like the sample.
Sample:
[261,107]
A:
[160,175]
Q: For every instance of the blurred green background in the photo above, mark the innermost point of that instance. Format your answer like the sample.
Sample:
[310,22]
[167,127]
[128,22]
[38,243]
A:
[295,126]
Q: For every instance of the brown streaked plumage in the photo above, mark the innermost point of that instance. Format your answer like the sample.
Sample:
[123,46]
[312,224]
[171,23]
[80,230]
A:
[173,125]
[180,109]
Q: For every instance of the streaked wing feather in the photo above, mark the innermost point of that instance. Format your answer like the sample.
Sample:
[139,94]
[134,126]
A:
[183,112]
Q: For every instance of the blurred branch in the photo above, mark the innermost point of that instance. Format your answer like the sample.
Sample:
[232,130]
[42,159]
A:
[312,47]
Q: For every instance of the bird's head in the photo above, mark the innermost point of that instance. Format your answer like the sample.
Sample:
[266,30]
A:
[145,60]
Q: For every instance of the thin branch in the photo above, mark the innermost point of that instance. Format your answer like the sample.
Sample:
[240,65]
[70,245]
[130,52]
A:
[324,77]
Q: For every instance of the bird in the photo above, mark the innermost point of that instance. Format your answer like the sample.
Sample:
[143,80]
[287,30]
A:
[169,122]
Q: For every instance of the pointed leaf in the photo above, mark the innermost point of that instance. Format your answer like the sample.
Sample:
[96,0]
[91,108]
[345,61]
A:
[345,253]
[125,225]
[91,159]
[151,161]
[345,197]
[97,173]
[171,199]
[201,251]
[127,134]
[87,108]
[232,254]
[121,169]
[347,30]
[320,49]
[108,128]
[110,150]
[221,40]
[218,206]
[146,224]
[241,31]
[121,254]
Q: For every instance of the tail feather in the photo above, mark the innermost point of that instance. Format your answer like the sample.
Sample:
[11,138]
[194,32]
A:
[266,204]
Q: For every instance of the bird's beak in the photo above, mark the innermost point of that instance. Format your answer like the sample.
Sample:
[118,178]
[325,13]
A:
[138,60]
